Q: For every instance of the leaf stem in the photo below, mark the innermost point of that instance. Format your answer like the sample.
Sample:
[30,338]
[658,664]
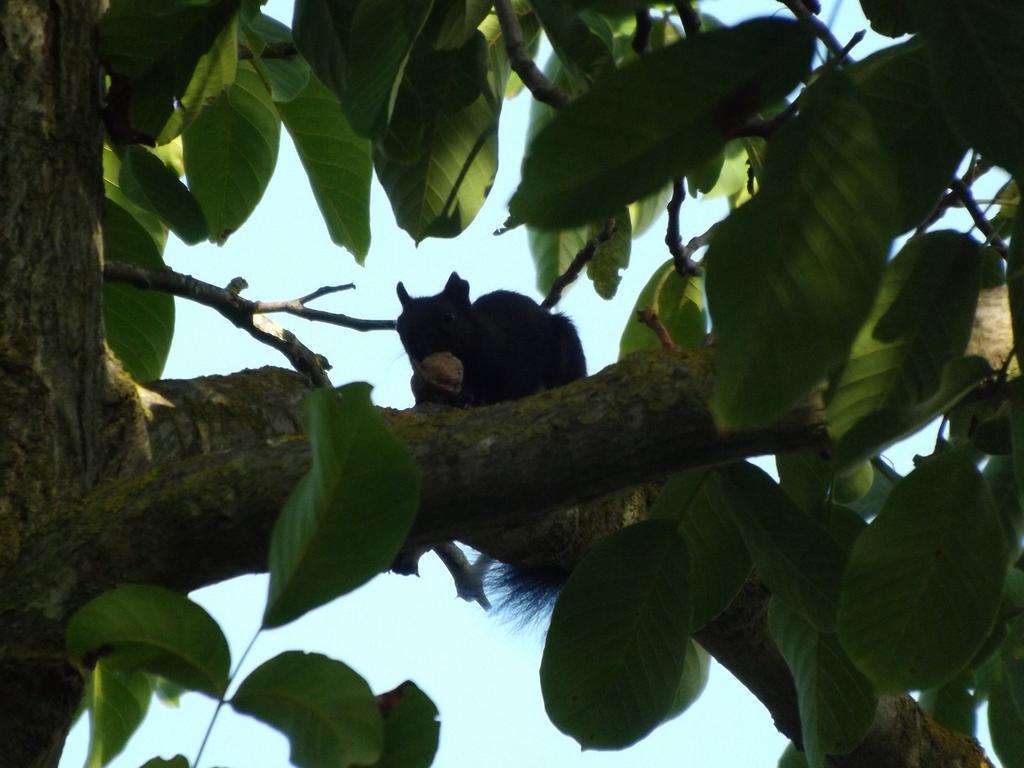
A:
[222,701]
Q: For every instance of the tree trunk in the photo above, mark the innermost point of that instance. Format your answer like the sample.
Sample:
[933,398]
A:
[51,349]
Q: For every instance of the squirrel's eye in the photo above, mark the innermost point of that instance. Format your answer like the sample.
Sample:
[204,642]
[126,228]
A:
[449,317]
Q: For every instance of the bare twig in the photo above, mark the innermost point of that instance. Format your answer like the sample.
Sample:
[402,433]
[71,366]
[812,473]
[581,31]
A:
[963,194]
[579,261]
[298,305]
[245,314]
[649,317]
[800,9]
[688,16]
[642,35]
[519,58]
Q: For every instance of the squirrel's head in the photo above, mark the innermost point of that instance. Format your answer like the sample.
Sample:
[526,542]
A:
[441,323]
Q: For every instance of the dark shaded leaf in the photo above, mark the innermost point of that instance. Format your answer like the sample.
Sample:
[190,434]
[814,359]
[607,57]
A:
[152,185]
[411,729]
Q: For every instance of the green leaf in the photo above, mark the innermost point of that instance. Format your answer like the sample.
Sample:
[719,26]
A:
[644,212]
[975,48]
[806,478]
[167,692]
[178,761]
[112,191]
[617,646]
[895,87]
[837,705]
[795,555]
[153,49]
[438,160]
[553,252]
[952,705]
[326,710]
[921,320]
[139,324]
[889,425]
[349,515]
[693,681]
[382,36]
[855,484]
[322,33]
[286,76]
[792,758]
[215,71]
[581,41]
[149,628]
[411,729]
[1006,726]
[719,563]
[924,580]
[888,17]
[679,304]
[152,185]
[656,119]
[459,23]
[117,704]
[787,309]
[882,483]
[337,162]
[231,151]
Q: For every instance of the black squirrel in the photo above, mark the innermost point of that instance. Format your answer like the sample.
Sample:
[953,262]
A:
[508,345]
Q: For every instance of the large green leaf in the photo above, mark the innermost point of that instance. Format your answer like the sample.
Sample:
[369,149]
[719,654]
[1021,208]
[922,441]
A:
[654,120]
[837,705]
[975,48]
[231,151]
[322,33]
[888,17]
[152,185]
[921,321]
[1006,725]
[581,40]
[554,250]
[326,710]
[347,518]
[806,477]
[337,162]
[459,22]
[610,257]
[679,304]
[215,71]
[139,324]
[287,76]
[953,704]
[895,87]
[792,274]
[796,556]
[693,680]
[153,49]
[924,580]
[617,647]
[112,191]
[149,628]
[381,38]
[117,704]
[438,160]
[411,729]
[719,563]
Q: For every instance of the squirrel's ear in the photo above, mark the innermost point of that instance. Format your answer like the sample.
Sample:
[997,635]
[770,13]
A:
[403,295]
[457,289]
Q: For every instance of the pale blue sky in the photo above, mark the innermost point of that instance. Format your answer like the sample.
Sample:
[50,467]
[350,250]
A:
[481,673]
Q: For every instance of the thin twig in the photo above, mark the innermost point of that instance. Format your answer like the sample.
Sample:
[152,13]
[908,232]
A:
[688,16]
[963,194]
[642,34]
[685,266]
[520,61]
[649,317]
[296,306]
[579,261]
[762,128]
[243,313]
[821,31]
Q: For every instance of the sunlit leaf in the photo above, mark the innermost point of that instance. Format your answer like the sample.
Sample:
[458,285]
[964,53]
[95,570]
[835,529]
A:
[231,151]
[117,703]
[679,304]
[337,162]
